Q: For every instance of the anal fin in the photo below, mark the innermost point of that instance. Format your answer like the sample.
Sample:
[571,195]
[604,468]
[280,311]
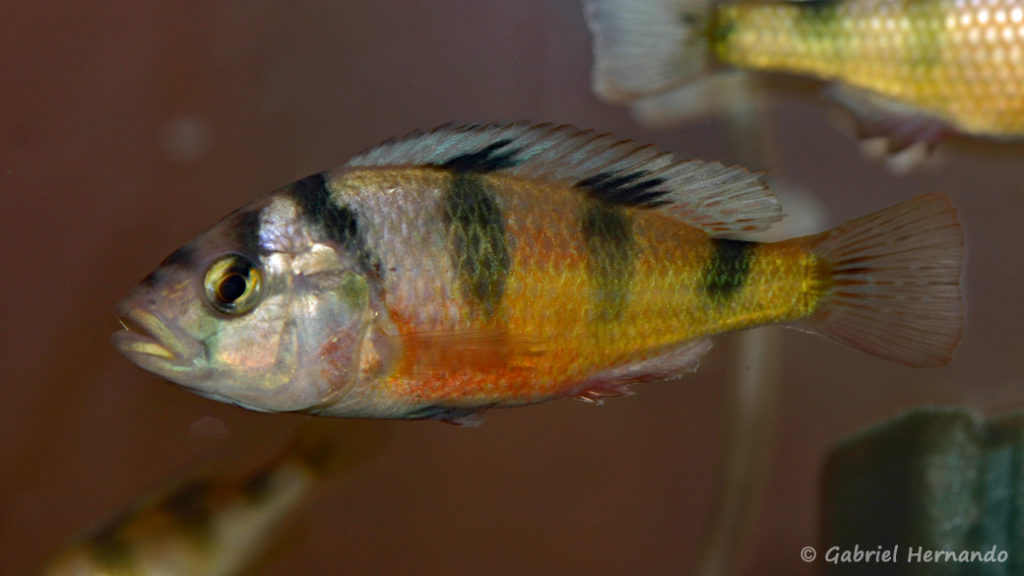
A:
[669,364]
[901,127]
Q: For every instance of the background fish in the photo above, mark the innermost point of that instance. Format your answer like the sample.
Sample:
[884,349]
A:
[206,526]
[447,272]
[910,70]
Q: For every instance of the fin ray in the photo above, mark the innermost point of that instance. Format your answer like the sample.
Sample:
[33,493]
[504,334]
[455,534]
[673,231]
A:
[718,199]
[646,47]
[670,364]
[896,282]
[900,126]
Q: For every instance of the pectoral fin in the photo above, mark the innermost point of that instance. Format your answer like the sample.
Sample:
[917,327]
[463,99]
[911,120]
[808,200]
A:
[477,350]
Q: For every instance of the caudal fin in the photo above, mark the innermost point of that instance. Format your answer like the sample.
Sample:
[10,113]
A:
[895,288]
[646,47]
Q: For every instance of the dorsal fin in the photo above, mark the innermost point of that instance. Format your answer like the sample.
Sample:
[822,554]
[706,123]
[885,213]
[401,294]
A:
[718,199]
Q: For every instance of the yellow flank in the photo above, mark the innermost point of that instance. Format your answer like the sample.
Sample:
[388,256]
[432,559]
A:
[591,286]
[961,61]
[450,271]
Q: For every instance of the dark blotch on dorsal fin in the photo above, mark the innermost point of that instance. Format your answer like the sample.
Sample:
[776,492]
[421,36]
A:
[489,159]
[717,199]
[729,267]
[339,223]
[631,189]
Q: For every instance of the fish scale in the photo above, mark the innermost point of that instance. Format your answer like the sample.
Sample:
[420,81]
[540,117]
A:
[554,309]
[452,271]
[910,71]
[918,51]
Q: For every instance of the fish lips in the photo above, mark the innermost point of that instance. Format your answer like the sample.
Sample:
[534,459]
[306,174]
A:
[149,342]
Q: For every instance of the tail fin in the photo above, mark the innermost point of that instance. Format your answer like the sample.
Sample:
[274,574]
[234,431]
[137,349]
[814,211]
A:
[646,47]
[895,289]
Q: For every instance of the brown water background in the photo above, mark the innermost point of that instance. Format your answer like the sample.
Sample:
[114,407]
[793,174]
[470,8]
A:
[126,128]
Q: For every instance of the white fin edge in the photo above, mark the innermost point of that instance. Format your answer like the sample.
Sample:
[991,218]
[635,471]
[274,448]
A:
[718,199]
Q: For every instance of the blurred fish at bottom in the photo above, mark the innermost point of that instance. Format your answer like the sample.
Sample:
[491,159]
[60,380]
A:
[910,70]
[448,272]
[225,525]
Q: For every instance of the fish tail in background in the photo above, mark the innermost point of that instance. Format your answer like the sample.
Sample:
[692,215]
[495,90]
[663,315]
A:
[647,47]
[893,282]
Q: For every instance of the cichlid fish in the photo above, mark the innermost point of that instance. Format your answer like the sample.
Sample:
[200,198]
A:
[910,70]
[212,526]
[464,268]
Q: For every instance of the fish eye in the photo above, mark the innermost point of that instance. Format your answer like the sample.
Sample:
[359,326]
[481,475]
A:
[232,284]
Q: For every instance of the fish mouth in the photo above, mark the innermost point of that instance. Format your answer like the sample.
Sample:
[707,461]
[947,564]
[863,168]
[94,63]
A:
[144,336]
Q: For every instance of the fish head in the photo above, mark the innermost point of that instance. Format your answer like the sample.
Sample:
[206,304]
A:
[257,311]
